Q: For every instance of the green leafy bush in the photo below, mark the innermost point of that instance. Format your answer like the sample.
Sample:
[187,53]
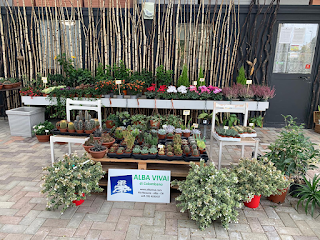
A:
[241,78]
[68,178]
[208,194]
[183,79]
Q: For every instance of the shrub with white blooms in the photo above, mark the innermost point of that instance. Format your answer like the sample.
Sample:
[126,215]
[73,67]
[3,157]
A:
[209,194]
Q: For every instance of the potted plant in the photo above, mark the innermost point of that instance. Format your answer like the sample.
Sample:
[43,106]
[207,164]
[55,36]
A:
[124,118]
[177,150]
[155,121]
[106,140]
[89,126]
[186,132]
[161,134]
[138,119]
[256,178]
[170,135]
[42,131]
[293,153]
[201,145]
[178,131]
[118,134]
[195,153]
[71,179]
[89,143]
[196,133]
[111,120]
[207,204]
[120,150]
[71,127]
[145,151]
[97,134]
[161,151]
[153,150]
[170,154]
[136,150]
[129,139]
[98,151]
[257,121]
[63,126]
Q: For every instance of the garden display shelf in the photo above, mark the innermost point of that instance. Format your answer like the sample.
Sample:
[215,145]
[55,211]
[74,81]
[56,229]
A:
[151,103]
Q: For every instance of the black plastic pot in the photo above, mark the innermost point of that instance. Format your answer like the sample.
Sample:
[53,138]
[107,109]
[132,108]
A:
[293,190]
[144,157]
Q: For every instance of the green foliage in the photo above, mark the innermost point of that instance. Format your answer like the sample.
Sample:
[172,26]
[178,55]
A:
[163,77]
[120,71]
[144,76]
[201,76]
[173,120]
[67,179]
[258,177]
[257,121]
[241,78]
[309,194]
[40,129]
[292,152]
[208,194]
[231,120]
[183,79]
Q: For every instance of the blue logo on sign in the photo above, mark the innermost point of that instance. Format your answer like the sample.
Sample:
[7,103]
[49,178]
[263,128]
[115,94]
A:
[121,184]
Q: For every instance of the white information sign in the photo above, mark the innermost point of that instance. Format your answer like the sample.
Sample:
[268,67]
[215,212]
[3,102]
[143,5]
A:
[298,36]
[285,35]
[139,185]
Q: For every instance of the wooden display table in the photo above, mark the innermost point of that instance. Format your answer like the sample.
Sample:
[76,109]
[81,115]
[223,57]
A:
[179,169]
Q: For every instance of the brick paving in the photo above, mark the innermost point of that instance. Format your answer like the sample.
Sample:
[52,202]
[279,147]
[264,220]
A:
[23,215]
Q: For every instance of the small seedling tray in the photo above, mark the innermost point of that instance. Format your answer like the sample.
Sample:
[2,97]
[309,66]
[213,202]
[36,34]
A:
[144,157]
[119,156]
[173,158]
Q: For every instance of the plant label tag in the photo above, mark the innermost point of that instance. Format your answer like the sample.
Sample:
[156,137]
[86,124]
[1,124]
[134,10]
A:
[118,82]
[44,79]
[195,83]
[205,121]
[186,112]
[195,125]
[160,146]
[249,81]
[201,79]
[251,124]
[226,127]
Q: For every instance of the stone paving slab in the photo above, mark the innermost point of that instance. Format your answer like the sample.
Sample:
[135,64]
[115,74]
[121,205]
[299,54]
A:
[23,215]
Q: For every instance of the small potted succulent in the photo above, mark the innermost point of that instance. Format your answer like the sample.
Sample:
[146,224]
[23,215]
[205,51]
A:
[186,132]
[178,131]
[136,150]
[71,127]
[153,150]
[89,143]
[69,181]
[170,135]
[89,126]
[186,150]
[196,133]
[128,150]
[161,134]
[106,140]
[170,154]
[97,134]
[144,151]
[118,134]
[98,151]
[184,142]
[161,151]
[177,150]
[111,120]
[63,126]
[195,153]
[120,150]
[78,125]
[112,150]
[201,145]
[155,121]
[169,148]
[42,131]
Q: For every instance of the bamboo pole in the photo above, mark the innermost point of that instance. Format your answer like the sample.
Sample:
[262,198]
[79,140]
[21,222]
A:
[3,48]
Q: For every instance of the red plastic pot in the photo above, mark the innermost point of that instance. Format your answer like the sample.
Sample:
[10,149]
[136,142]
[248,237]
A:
[254,203]
[78,202]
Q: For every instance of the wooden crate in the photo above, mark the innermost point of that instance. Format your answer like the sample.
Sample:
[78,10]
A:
[316,117]
[317,128]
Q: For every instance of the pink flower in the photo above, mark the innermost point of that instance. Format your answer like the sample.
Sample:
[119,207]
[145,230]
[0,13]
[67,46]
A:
[204,89]
[215,90]
[193,88]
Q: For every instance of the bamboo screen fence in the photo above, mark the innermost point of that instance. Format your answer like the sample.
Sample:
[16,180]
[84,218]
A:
[205,36]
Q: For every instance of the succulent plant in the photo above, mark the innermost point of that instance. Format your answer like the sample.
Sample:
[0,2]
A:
[169,148]
[81,115]
[87,116]
[106,138]
[177,139]
[70,126]
[161,132]
[80,125]
[186,130]
[170,129]
[145,151]
[170,154]
[170,134]
[128,150]
[112,150]
[89,125]
[195,152]
[177,150]
[194,146]
[169,143]
[184,142]
[136,150]
[120,151]
[96,123]
[63,124]
[186,149]
[118,134]
[90,141]
[153,150]
[97,147]
[97,133]
[178,130]
[58,125]
[161,151]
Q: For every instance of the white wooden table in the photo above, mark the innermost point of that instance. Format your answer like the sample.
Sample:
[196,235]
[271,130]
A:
[65,138]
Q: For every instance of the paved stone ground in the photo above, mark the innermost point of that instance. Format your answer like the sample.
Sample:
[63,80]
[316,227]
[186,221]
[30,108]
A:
[23,214]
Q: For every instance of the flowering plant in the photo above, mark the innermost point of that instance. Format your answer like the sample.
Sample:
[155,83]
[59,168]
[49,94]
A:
[69,178]
[172,89]
[33,92]
[182,89]
[40,129]
[135,87]
[209,194]
[193,88]
[104,87]
[258,177]
[152,88]
[162,89]
[215,90]
[263,92]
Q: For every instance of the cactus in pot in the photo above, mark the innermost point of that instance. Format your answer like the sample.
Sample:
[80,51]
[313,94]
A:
[63,126]
[71,127]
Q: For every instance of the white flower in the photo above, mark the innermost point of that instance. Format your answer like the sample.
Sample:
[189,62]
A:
[182,89]
[172,89]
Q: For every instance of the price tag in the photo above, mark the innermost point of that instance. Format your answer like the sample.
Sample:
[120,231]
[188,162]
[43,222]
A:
[44,79]
[195,125]
[226,127]
[160,146]
[249,81]
[195,83]
[201,79]
[118,82]
[186,112]
[251,124]
[205,121]
[46,131]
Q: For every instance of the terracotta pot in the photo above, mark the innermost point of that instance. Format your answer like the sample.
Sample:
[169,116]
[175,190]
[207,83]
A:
[144,154]
[110,123]
[186,134]
[86,148]
[179,134]
[109,144]
[187,154]
[169,137]
[154,124]
[88,131]
[161,136]
[98,154]
[61,143]
[88,95]
[7,86]
[15,85]
[254,203]
[195,155]
[125,92]
[119,153]
[78,202]
[278,198]
[71,130]
[178,155]
[96,138]
[1,86]
[63,130]
[43,138]
[202,151]
[79,131]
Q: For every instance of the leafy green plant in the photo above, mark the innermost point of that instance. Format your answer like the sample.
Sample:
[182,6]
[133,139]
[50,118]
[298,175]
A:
[201,76]
[208,194]
[241,78]
[309,194]
[40,129]
[257,121]
[67,179]
[231,120]
[258,177]
[292,152]
[163,77]
[183,79]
